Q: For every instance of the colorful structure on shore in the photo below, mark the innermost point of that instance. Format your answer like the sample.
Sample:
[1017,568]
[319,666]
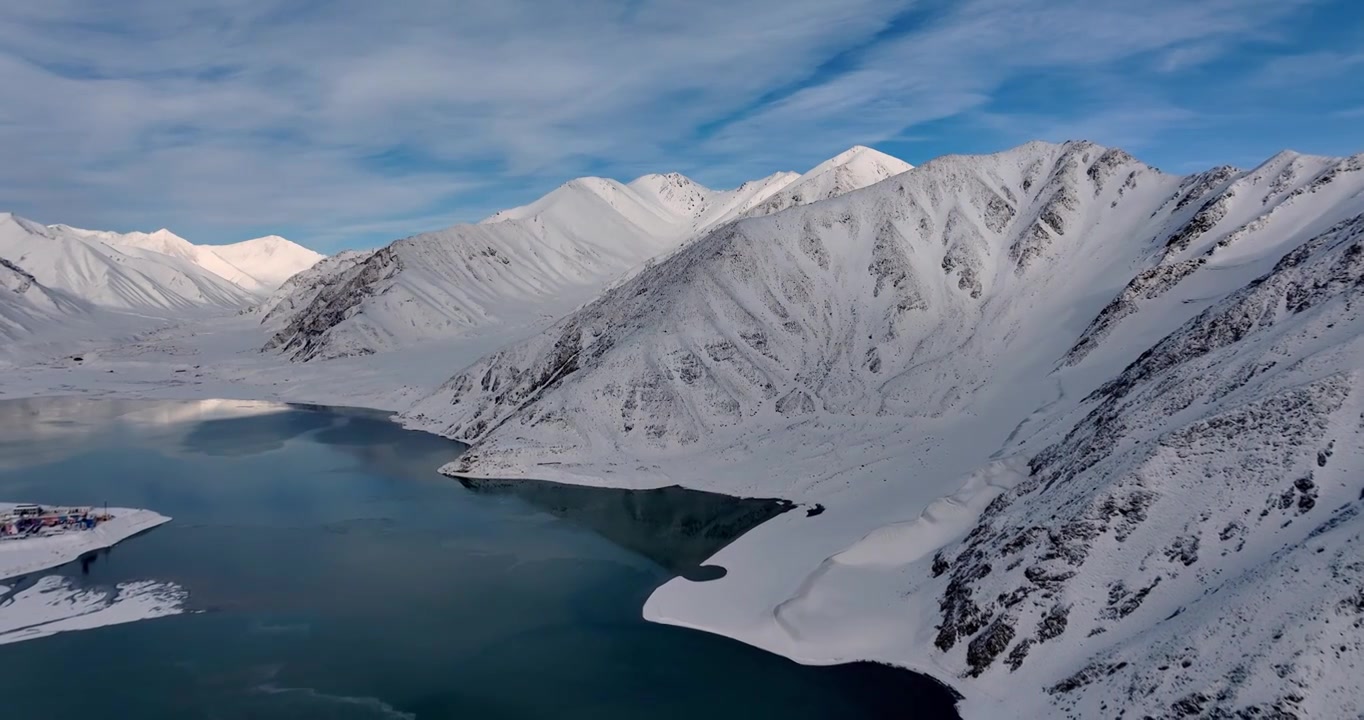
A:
[24,521]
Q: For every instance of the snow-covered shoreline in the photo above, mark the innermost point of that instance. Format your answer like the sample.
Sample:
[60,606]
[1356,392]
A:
[31,555]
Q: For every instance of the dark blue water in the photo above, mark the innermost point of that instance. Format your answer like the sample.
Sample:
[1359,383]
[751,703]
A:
[332,573]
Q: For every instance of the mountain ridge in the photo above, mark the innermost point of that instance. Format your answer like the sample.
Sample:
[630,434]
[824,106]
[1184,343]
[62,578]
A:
[258,265]
[519,266]
[127,276]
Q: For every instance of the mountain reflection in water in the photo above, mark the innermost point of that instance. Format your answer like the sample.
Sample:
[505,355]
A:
[674,527]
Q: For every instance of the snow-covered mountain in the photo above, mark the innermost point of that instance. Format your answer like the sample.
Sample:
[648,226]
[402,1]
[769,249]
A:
[269,260]
[165,242]
[124,276]
[1134,397]
[826,308]
[258,265]
[1077,436]
[520,266]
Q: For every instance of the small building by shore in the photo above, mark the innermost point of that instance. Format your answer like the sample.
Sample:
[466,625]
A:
[29,520]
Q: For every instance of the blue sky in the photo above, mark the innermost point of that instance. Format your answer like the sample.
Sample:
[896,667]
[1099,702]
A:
[348,123]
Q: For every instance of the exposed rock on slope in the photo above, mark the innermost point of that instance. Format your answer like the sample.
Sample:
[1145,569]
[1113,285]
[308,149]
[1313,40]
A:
[27,306]
[302,288]
[1203,511]
[1224,214]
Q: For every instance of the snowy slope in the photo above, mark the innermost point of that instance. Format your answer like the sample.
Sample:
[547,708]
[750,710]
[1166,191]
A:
[128,277]
[854,168]
[511,268]
[165,242]
[1040,393]
[26,306]
[269,260]
[838,307]
[531,263]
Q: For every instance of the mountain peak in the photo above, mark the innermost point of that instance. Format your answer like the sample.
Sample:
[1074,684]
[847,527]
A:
[655,180]
[853,169]
[270,259]
[9,218]
[675,192]
[851,153]
[568,194]
[166,234]
[270,243]
[861,155]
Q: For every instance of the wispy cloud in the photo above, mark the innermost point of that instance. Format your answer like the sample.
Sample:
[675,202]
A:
[354,120]
[262,111]
[1133,125]
[1311,67]
[958,60]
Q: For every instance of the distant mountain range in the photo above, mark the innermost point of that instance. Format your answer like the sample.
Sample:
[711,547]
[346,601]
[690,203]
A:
[59,272]
[257,265]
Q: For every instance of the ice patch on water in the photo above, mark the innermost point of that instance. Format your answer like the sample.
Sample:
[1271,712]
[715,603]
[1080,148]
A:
[54,605]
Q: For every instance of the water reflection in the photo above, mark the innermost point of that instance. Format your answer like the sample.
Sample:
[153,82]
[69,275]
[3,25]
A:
[242,436]
[674,527]
[46,429]
[331,571]
[377,441]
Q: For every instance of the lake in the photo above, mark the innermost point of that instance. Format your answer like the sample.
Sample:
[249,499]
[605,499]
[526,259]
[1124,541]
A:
[329,571]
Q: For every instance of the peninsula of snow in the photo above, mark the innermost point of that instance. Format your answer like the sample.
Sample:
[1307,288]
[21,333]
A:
[26,556]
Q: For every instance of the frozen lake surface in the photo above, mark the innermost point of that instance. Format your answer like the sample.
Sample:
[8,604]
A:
[321,568]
